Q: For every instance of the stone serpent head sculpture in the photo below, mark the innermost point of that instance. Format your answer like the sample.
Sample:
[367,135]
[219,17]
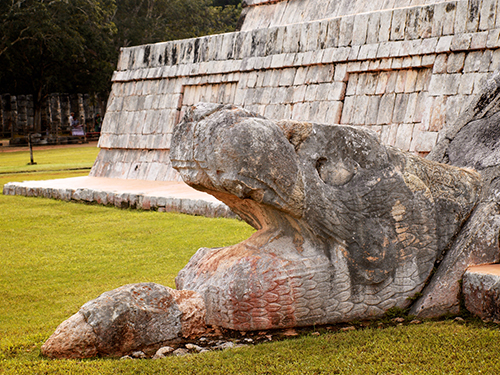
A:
[347,228]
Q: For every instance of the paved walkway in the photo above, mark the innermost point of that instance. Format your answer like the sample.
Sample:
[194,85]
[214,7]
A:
[163,196]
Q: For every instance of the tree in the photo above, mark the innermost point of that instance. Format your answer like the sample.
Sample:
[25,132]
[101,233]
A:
[56,46]
[72,46]
[150,21]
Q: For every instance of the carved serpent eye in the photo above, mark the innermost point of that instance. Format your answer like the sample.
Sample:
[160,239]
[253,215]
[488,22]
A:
[334,172]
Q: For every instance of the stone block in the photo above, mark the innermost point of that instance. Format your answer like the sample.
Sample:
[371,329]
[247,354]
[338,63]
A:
[300,76]
[383,78]
[414,47]
[384,49]
[411,108]
[359,32]
[314,36]
[391,82]
[345,32]
[372,35]
[311,92]
[454,107]
[368,51]
[466,84]
[398,24]
[347,110]
[404,136]
[332,36]
[340,74]
[461,42]
[479,40]
[385,64]
[428,60]
[341,54]
[385,26]
[372,110]
[334,112]
[396,49]
[472,61]
[444,84]
[423,141]
[370,83]
[386,108]
[485,61]
[449,18]
[438,19]
[479,82]
[374,65]
[400,108]
[287,77]
[337,91]
[299,93]
[397,63]
[359,110]
[438,114]
[328,55]
[472,21]
[444,44]
[481,291]
[429,45]
[495,61]
[407,62]
[487,14]
[411,80]
[493,39]
[353,54]
[389,133]
[455,62]
[352,84]
[301,111]
[400,81]
[292,38]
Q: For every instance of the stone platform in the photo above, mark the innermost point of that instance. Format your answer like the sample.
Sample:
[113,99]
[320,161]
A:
[481,290]
[163,196]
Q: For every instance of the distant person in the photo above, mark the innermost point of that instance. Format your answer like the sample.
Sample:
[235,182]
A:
[98,123]
[72,120]
[76,128]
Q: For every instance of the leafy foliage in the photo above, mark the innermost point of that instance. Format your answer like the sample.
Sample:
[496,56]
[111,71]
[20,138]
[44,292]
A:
[150,21]
[72,46]
[56,46]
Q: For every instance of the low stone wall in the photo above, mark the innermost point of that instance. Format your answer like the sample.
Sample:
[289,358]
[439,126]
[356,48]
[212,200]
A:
[404,73]
[121,198]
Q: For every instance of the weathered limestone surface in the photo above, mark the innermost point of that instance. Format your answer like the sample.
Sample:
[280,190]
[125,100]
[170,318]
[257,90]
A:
[347,227]
[271,13]
[481,290]
[405,73]
[471,142]
[130,318]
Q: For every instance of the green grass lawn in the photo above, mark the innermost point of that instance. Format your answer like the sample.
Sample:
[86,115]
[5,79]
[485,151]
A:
[48,160]
[55,256]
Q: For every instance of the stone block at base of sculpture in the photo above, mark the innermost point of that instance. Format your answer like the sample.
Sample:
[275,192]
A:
[131,318]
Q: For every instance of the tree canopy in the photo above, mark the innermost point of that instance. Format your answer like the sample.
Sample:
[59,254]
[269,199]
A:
[72,46]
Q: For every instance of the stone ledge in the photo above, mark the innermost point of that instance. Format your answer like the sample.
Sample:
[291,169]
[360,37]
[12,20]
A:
[481,290]
[299,38]
[145,195]
[373,55]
